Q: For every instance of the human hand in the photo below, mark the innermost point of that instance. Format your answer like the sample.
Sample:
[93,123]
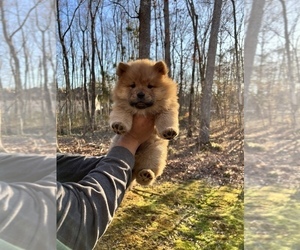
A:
[141,130]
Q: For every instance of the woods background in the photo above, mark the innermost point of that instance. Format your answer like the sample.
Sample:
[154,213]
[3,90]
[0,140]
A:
[92,37]
[231,59]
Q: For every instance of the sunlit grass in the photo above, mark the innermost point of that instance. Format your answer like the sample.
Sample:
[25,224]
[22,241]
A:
[272,218]
[191,215]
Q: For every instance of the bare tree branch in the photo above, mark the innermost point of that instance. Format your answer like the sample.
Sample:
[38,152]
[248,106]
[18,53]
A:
[25,19]
[117,3]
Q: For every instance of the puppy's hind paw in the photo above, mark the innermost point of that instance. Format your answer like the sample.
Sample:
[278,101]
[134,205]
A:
[169,134]
[118,128]
[145,177]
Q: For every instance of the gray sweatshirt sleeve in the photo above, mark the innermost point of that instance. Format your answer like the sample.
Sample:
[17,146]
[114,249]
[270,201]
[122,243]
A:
[86,208]
[27,201]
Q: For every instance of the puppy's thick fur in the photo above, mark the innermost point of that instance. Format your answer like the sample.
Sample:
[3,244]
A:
[143,87]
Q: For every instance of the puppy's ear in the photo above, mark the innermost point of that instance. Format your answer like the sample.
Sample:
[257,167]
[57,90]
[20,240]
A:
[122,68]
[161,67]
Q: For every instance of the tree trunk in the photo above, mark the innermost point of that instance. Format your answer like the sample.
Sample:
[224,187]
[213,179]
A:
[194,18]
[237,65]
[293,98]
[167,35]
[83,29]
[204,136]
[66,67]
[103,97]
[251,42]
[155,6]
[145,29]
[93,56]
[2,149]
[2,104]
[46,88]
[181,94]
[85,90]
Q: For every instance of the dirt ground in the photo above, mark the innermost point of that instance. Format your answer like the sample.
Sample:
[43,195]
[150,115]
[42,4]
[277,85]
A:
[271,153]
[221,164]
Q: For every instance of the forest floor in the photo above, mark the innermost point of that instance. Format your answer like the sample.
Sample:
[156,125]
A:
[272,185]
[199,201]
[196,204]
[220,164]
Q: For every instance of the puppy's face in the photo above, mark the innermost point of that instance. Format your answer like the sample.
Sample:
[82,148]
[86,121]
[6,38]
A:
[140,96]
[141,83]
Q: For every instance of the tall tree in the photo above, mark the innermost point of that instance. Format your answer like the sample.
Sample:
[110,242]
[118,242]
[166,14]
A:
[289,64]
[237,64]
[167,35]
[144,29]
[83,25]
[103,93]
[204,136]
[47,94]
[2,149]
[251,40]
[93,9]
[194,17]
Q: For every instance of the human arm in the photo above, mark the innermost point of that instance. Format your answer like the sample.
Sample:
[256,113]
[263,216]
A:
[72,168]
[27,201]
[86,208]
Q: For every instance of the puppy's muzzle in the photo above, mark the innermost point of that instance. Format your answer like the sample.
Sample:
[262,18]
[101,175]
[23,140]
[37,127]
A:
[140,102]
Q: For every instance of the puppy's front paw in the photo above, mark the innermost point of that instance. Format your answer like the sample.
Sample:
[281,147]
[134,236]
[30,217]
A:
[145,177]
[169,134]
[119,128]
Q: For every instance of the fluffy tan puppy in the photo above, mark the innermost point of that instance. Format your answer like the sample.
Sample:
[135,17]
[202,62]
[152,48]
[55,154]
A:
[143,87]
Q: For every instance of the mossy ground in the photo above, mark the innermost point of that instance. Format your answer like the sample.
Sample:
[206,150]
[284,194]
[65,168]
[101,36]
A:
[272,218]
[189,215]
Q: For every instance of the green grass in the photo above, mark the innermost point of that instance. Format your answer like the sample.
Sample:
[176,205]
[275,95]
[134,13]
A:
[191,215]
[272,218]
[255,147]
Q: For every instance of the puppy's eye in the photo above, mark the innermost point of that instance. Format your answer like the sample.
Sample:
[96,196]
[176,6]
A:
[132,85]
[150,86]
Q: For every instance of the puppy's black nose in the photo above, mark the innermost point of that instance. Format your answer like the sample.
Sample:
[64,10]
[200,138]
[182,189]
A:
[140,95]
